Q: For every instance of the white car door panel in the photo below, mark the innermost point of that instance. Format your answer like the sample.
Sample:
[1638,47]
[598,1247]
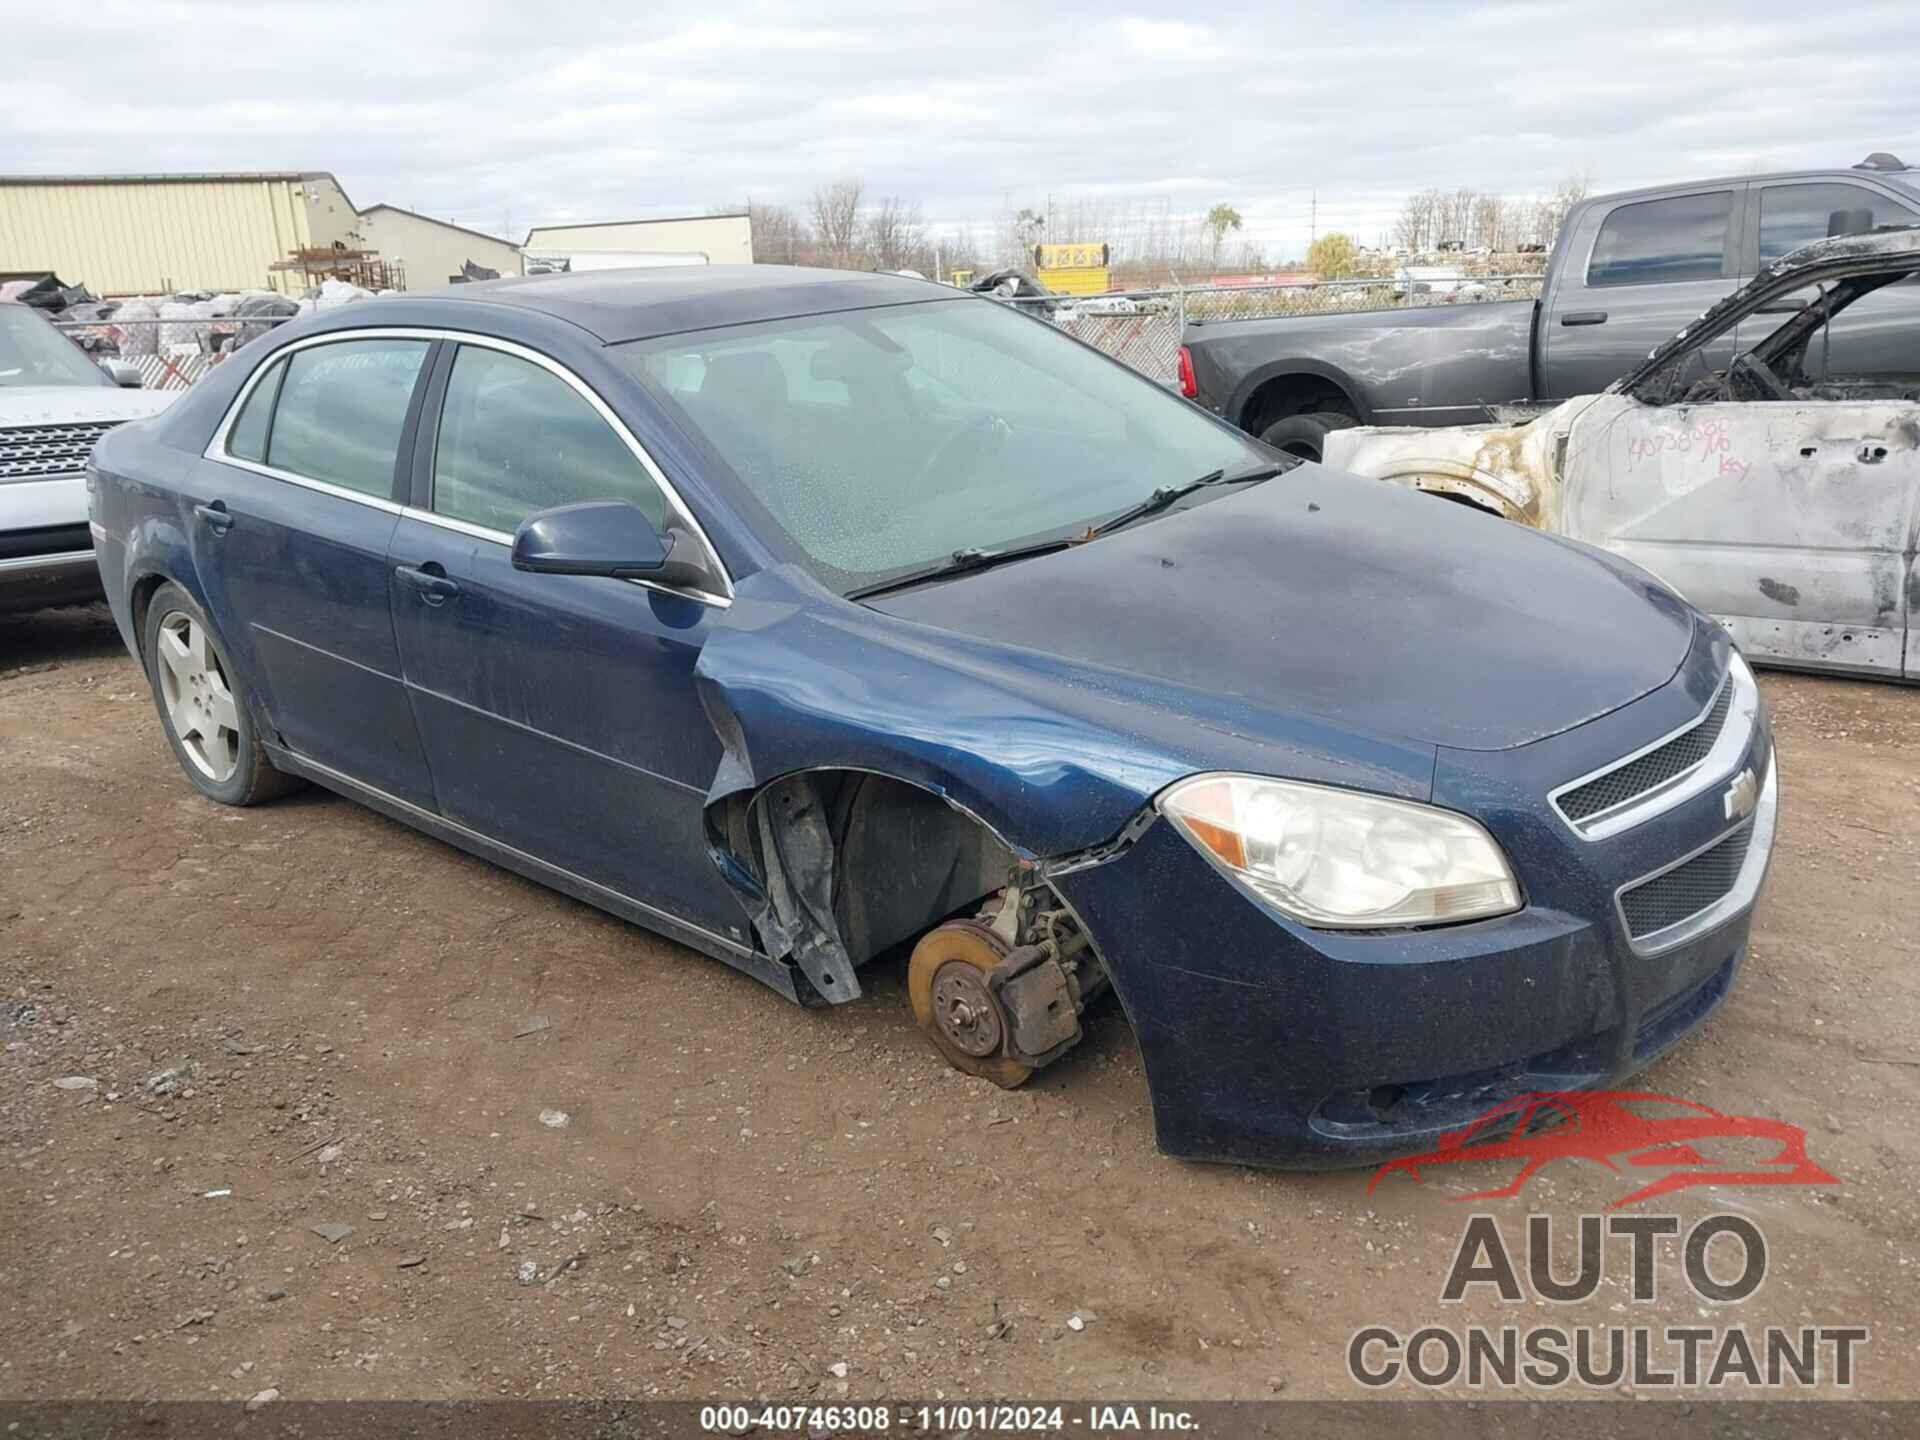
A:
[1792,523]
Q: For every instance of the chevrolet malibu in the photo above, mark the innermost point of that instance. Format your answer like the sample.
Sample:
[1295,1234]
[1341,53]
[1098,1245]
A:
[813,619]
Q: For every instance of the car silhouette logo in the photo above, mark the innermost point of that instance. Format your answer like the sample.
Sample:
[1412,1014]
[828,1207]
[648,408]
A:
[1614,1127]
[1742,795]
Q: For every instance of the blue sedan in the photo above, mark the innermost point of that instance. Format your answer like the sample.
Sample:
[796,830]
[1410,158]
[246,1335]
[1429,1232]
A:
[817,619]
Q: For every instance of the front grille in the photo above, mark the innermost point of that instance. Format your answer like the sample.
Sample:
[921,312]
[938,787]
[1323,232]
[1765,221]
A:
[1687,889]
[35,450]
[1651,770]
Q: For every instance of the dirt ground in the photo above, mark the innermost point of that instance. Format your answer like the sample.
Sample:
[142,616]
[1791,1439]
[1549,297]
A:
[305,1014]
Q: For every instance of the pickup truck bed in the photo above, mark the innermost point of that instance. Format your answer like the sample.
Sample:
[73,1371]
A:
[1419,365]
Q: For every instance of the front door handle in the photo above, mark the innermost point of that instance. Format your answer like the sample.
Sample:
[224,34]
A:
[214,515]
[1584,317]
[430,581]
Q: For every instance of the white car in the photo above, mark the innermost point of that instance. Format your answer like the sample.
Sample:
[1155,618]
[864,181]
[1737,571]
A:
[54,404]
[1780,494]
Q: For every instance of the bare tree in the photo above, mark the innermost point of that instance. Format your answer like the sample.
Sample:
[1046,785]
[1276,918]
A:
[1455,217]
[1418,216]
[1567,194]
[836,219]
[1548,213]
[1489,221]
[779,235]
[896,236]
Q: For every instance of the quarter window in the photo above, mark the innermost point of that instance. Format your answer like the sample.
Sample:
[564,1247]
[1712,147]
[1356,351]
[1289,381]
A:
[1658,242]
[342,408]
[248,439]
[516,438]
[1796,215]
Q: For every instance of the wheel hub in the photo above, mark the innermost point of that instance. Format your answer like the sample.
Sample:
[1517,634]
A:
[964,1010]
[198,701]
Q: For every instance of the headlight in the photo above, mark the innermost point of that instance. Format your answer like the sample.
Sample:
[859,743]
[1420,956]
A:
[1339,859]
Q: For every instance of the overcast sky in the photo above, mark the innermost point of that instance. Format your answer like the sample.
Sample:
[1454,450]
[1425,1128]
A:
[501,116]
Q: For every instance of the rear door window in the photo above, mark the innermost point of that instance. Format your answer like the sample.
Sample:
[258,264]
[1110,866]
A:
[341,410]
[516,438]
[1657,242]
[1796,215]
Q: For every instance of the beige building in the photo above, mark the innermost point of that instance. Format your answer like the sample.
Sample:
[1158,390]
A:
[151,234]
[721,239]
[432,250]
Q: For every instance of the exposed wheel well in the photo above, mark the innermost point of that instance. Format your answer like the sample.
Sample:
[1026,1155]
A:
[1297,394]
[1472,498]
[854,863]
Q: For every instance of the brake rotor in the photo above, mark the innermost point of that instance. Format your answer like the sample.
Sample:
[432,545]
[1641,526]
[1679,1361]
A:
[947,988]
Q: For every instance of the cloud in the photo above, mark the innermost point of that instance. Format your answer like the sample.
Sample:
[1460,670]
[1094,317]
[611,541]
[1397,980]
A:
[502,115]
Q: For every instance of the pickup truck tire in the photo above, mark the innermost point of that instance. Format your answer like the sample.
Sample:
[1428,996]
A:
[1305,435]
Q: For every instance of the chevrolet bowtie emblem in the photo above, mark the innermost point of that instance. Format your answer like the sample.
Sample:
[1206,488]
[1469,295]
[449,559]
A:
[1742,795]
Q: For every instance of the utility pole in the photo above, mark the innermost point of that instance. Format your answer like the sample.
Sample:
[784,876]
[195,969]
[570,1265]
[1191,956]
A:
[1313,218]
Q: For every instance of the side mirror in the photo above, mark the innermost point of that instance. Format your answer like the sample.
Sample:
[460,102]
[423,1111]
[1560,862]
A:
[124,375]
[612,538]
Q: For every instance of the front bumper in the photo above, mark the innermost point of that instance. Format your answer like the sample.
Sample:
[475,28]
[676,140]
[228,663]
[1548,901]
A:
[34,582]
[1266,1042]
[46,555]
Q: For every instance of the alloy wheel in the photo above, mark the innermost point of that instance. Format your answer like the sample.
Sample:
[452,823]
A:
[199,701]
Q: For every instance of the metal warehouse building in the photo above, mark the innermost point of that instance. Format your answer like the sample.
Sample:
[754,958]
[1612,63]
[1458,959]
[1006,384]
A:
[719,239]
[431,251]
[151,234]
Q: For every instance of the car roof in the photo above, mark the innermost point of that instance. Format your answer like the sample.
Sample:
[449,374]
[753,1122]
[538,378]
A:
[1907,181]
[639,304]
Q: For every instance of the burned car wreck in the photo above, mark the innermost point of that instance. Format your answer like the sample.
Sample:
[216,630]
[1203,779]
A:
[820,621]
[1778,493]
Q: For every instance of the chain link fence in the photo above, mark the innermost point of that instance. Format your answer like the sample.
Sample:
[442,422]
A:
[1139,328]
[1142,328]
[171,353]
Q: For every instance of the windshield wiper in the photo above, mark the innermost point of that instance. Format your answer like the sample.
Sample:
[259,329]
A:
[972,558]
[1168,494]
[961,562]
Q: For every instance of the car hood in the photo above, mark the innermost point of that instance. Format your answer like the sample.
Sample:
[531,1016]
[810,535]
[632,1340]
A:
[78,404]
[1321,594]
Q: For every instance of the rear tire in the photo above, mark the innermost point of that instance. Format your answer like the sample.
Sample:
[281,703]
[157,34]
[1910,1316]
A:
[1305,435]
[203,705]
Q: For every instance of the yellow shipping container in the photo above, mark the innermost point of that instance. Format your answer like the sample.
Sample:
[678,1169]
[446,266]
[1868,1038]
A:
[152,234]
[1075,269]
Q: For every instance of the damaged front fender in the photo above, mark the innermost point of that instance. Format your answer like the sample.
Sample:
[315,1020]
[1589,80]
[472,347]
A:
[1513,471]
[831,761]
[879,774]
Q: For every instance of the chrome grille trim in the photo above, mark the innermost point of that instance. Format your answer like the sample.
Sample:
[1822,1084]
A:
[39,452]
[1757,833]
[1735,705]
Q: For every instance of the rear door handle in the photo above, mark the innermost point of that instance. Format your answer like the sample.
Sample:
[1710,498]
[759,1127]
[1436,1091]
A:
[430,581]
[215,516]
[1584,317]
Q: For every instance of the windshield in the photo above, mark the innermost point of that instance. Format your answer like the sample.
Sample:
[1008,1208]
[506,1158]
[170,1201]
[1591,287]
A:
[32,352]
[879,441]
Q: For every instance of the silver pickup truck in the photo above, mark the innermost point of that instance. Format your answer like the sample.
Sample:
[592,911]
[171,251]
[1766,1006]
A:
[1627,271]
[54,403]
